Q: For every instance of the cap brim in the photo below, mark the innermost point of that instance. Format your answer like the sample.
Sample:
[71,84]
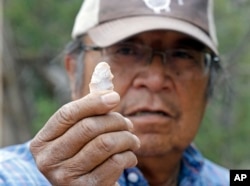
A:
[112,32]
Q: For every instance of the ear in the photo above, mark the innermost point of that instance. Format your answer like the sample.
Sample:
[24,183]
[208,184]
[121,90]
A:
[70,66]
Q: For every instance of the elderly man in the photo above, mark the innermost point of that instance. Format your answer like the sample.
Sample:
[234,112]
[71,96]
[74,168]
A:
[163,55]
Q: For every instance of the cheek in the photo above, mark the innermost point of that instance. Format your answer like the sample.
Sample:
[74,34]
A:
[193,103]
[122,80]
[193,95]
[88,71]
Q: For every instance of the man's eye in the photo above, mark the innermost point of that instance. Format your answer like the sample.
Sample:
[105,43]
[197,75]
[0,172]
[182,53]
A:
[126,50]
[182,54]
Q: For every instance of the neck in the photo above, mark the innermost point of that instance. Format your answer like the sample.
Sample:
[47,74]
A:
[160,171]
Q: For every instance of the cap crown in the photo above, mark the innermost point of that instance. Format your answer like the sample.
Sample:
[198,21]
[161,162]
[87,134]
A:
[198,13]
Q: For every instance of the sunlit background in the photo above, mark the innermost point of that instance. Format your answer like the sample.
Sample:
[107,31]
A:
[35,84]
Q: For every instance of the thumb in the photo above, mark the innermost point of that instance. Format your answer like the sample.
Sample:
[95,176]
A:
[109,99]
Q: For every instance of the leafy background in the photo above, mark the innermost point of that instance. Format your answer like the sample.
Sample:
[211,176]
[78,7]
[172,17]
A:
[35,84]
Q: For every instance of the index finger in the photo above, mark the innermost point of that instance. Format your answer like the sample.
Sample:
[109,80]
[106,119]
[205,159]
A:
[90,105]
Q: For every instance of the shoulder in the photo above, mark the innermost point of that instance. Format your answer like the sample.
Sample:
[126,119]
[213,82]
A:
[214,174]
[199,171]
[18,167]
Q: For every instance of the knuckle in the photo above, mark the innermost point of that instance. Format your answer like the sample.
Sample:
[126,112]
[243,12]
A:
[47,160]
[66,114]
[88,179]
[41,163]
[124,160]
[118,161]
[117,117]
[60,177]
[37,144]
[118,120]
[106,143]
[34,147]
[64,175]
[116,114]
[88,127]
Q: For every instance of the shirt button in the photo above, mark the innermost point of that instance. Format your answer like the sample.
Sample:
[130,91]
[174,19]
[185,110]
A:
[133,177]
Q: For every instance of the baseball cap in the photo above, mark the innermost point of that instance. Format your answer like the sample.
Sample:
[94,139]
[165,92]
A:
[110,21]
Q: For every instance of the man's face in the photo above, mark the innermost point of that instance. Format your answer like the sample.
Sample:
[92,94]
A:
[165,106]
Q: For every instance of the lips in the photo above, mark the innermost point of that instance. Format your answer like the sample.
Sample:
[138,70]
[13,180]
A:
[150,120]
[151,108]
[148,112]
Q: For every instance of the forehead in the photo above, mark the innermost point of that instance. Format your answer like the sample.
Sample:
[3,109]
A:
[157,34]
[165,39]
[160,38]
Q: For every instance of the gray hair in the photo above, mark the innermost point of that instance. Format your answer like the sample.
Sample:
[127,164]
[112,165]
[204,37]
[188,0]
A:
[74,49]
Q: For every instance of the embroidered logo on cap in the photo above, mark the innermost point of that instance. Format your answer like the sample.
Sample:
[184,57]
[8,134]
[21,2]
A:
[160,5]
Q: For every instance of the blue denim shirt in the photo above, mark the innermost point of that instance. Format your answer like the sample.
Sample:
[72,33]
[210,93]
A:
[17,168]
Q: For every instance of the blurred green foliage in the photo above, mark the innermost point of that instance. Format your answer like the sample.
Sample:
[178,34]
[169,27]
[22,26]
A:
[45,107]
[224,135]
[42,28]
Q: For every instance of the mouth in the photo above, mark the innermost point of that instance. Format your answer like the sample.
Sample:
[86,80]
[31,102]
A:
[150,121]
[148,113]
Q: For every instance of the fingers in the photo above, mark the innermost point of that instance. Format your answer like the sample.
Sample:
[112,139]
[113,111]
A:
[104,146]
[100,162]
[84,143]
[112,169]
[83,132]
[69,114]
[106,174]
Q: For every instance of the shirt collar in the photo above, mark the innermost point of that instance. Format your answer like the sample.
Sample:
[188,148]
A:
[191,165]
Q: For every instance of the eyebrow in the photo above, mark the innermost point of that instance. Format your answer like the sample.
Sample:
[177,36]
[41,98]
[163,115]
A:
[190,43]
[185,42]
[132,39]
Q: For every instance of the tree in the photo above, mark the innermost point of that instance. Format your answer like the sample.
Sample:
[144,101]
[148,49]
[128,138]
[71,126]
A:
[34,81]
[1,68]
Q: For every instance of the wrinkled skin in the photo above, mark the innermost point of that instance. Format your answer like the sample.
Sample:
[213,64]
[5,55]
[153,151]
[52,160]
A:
[87,142]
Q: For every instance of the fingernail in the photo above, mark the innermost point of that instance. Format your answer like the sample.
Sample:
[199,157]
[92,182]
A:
[111,98]
[138,142]
[130,124]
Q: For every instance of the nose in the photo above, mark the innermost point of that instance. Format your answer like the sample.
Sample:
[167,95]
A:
[155,76]
[160,54]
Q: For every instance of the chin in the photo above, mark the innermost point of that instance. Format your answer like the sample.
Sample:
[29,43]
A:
[150,153]
[158,145]
[153,145]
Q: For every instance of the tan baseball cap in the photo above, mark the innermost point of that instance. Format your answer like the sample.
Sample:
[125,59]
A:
[110,21]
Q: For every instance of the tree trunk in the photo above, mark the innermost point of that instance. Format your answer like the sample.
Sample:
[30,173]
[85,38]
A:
[1,67]
[16,117]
